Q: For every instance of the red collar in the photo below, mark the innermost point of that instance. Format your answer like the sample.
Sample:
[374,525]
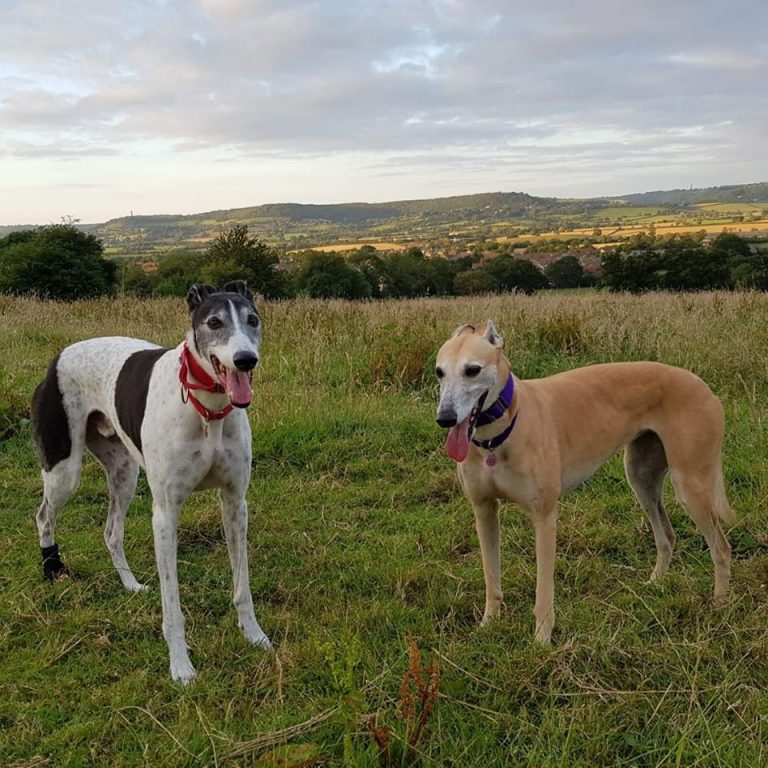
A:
[202,380]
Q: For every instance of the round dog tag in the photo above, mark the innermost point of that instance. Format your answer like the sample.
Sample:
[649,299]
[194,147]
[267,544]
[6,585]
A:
[491,460]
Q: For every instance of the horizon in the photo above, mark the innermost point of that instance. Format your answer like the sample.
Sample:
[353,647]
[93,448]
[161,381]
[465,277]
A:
[370,202]
[217,104]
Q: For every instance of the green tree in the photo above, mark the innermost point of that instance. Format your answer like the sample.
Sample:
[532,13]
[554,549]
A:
[748,268]
[410,273]
[237,255]
[474,281]
[134,280]
[57,262]
[734,246]
[688,266]
[634,270]
[516,274]
[176,272]
[440,276]
[566,272]
[330,276]
[405,274]
[679,263]
[371,267]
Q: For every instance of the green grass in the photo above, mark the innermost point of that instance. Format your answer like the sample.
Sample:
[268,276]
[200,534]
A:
[360,541]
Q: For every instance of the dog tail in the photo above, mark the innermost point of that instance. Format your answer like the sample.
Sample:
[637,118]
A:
[724,511]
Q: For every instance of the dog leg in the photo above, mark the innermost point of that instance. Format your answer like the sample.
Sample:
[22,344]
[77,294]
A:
[122,487]
[122,473]
[645,463]
[545,525]
[58,485]
[488,532]
[165,516]
[234,515]
[698,500]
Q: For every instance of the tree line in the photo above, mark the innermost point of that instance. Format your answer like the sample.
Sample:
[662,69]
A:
[684,263]
[364,273]
[62,262]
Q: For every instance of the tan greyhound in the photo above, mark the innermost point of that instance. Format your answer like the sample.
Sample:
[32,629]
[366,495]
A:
[531,441]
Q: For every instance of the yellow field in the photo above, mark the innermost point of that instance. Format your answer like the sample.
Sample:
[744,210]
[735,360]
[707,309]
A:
[662,228]
[356,246]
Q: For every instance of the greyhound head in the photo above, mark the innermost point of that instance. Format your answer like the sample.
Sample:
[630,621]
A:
[467,367]
[226,331]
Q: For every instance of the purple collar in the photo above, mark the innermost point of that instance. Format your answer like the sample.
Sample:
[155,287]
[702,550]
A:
[495,412]
[499,407]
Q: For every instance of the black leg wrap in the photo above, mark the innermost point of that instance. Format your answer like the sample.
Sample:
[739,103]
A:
[53,568]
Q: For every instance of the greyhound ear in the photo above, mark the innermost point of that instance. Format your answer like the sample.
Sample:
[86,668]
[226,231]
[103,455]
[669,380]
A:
[197,294]
[238,286]
[492,336]
[462,328]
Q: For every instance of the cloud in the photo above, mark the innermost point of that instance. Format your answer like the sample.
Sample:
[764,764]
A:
[390,80]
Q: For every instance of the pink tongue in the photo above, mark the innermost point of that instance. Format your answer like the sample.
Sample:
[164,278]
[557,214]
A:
[457,442]
[238,386]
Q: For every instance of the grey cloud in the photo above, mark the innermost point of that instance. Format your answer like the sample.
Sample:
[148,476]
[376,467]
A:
[401,78]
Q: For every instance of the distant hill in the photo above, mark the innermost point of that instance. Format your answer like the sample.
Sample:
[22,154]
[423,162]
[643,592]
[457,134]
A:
[458,218]
[297,225]
[735,193]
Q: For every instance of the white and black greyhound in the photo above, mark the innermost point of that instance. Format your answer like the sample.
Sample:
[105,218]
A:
[133,403]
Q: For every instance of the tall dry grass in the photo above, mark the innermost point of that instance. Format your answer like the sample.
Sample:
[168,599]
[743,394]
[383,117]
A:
[392,343]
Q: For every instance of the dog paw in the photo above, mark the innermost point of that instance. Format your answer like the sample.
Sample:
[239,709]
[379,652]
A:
[489,617]
[258,638]
[254,634]
[137,587]
[182,671]
[266,644]
[720,599]
[543,631]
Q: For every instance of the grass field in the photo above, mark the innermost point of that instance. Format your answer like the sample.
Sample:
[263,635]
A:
[363,556]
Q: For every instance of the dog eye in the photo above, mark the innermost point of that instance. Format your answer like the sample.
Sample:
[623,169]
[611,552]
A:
[253,321]
[439,372]
[214,323]
[473,370]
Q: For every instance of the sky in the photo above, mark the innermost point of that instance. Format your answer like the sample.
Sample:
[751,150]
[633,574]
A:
[184,106]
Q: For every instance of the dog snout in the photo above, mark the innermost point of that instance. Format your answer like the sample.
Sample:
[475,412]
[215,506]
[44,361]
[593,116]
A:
[446,418]
[245,361]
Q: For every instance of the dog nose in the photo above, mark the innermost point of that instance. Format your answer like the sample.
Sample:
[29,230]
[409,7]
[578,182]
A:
[245,361]
[446,419]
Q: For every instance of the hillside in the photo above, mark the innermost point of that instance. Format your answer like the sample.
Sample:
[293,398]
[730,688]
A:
[298,225]
[736,193]
[460,218]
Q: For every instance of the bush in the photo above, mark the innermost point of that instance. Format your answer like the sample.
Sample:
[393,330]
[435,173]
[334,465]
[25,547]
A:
[56,262]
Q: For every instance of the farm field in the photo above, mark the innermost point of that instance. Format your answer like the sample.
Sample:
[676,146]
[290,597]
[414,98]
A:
[662,227]
[342,247]
[618,233]
[363,554]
